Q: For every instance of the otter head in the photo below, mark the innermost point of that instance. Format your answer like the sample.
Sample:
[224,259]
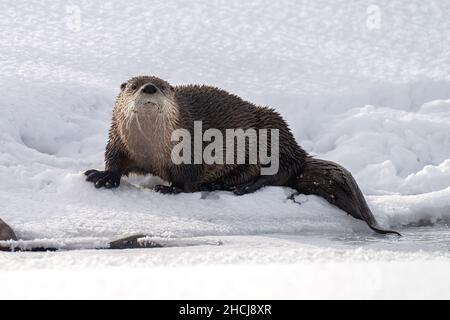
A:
[145,111]
[148,95]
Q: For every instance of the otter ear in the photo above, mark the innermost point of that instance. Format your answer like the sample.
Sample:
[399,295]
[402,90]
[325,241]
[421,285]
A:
[123,86]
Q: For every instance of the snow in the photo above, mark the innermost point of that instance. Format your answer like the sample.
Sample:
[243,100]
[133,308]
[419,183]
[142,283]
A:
[374,98]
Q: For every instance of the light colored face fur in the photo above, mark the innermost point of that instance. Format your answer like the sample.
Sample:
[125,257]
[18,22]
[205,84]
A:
[157,108]
[148,117]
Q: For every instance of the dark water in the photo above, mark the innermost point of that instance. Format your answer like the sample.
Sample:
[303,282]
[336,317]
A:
[426,239]
[435,238]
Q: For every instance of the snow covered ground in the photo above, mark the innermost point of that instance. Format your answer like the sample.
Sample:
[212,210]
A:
[362,83]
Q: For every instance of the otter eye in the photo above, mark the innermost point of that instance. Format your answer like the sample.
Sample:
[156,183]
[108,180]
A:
[123,86]
[163,87]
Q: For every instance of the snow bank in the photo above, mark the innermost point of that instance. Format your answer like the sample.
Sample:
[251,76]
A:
[375,100]
[373,97]
[58,86]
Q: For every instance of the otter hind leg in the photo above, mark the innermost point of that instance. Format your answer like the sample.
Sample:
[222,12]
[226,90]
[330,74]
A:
[242,179]
[334,183]
[239,189]
[252,186]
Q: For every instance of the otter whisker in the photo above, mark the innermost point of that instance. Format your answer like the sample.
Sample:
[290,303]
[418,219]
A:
[129,114]
[140,128]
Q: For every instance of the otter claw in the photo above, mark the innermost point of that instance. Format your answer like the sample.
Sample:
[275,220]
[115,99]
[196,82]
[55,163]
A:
[107,179]
[167,189]
[248,188]
[241,190]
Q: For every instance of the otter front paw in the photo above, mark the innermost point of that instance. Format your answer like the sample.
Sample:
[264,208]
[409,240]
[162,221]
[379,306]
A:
[167,190]
[107,179]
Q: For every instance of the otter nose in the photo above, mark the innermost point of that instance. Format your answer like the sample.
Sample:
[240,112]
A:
[149,88]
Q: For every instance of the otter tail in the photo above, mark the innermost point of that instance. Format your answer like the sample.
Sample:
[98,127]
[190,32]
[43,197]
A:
[336,184]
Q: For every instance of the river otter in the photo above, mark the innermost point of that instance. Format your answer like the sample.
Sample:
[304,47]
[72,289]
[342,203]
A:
[148,110]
